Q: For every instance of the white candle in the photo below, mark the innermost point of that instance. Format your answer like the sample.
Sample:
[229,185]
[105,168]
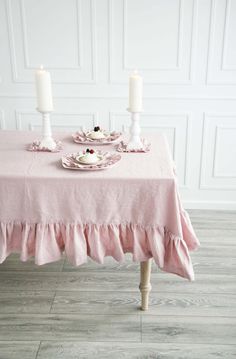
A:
[135,92]
[43,90]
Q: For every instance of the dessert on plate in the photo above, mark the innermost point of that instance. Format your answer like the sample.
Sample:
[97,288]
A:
[81,161]
[97,134]
[89,157]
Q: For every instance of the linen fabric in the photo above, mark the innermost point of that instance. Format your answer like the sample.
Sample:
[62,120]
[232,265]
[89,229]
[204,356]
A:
[46,210]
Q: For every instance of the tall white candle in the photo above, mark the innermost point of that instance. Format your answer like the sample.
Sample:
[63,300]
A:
[135,92]
[43,90]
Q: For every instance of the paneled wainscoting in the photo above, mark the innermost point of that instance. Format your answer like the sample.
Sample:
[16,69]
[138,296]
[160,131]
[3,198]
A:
[58,311]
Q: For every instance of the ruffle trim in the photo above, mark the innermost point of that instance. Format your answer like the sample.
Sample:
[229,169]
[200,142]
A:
[47,242]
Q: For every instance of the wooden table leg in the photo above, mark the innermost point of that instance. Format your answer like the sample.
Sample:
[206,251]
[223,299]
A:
[145,285]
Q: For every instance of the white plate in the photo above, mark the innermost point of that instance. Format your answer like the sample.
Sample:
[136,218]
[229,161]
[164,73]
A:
[82,137]
[69,161]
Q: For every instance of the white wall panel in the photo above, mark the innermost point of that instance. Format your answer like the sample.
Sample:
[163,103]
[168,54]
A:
[49,32]
[63,121]
[140,37]
[222,49]
[219,152]
[185,51]
[2,120]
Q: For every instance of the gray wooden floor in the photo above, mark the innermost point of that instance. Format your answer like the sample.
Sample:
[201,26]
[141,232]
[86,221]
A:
[57,311]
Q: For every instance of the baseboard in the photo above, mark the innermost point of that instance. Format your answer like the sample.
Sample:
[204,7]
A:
[231,206]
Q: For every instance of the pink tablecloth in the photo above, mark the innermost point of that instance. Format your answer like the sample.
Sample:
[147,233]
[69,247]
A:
[132,207]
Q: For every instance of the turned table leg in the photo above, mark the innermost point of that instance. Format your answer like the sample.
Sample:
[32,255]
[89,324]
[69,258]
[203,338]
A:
[145,285]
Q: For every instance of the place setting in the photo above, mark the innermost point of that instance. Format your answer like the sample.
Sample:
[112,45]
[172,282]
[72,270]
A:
[90,159]
[97,136]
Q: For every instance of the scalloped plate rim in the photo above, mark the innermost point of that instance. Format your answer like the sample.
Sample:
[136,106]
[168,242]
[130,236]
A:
[89,140]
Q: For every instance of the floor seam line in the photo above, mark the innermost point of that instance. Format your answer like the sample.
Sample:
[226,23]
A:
[38,349]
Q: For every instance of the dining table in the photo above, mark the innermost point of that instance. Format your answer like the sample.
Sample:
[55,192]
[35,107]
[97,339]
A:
[47,211]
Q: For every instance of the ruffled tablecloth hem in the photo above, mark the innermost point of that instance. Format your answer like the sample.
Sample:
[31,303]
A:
[47,242]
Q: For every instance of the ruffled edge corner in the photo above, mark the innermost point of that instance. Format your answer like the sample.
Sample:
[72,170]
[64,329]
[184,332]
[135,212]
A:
[47,242]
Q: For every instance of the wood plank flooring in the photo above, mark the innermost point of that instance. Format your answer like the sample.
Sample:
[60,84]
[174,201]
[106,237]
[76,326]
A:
[59,311]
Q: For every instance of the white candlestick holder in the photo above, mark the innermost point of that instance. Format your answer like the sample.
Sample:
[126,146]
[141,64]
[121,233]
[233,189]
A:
[135,143]
[47,142]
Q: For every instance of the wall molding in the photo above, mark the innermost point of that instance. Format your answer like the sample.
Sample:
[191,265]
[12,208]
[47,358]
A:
[216,151]
[191,47]
[116,97]
[203,185]
[15,75]
[2,120]
[222,66]
[20,113]
[180,39]
[25,38]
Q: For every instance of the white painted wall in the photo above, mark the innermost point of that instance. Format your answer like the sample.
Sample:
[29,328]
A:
[185,50]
